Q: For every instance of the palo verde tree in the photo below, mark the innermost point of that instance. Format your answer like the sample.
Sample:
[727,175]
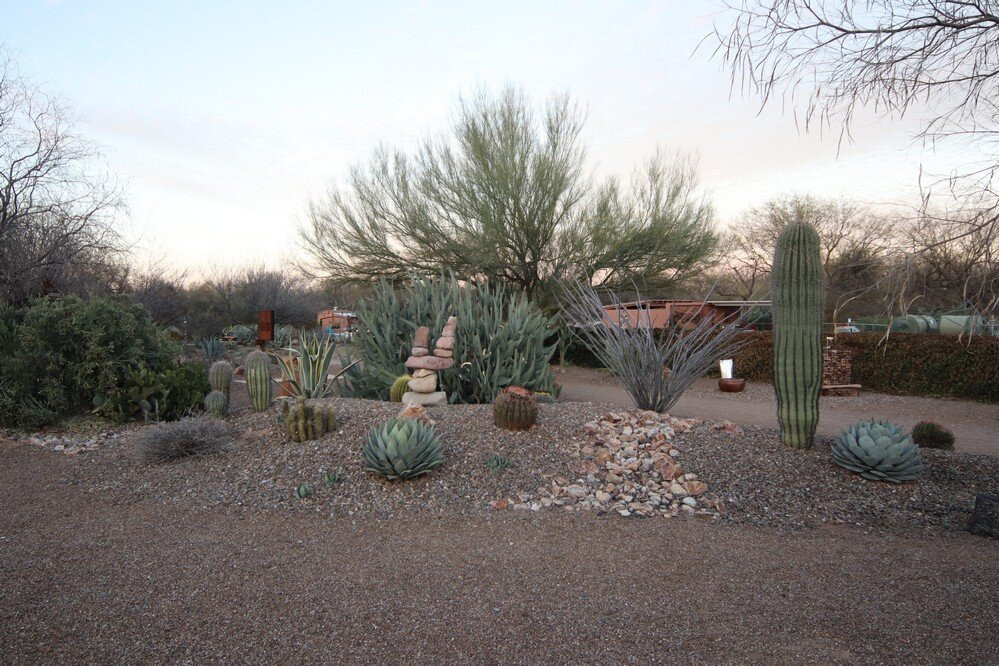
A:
[506,197]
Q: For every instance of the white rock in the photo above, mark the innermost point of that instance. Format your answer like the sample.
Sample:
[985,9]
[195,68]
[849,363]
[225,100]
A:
[690,501]
[576,490]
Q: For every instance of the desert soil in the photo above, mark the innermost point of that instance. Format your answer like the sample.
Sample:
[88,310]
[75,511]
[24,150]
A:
[975,424]
[210,559]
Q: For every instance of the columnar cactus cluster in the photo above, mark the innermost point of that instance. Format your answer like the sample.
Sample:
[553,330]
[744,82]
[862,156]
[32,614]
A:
[797,293]
[307,419]
[220,379]
[258,380]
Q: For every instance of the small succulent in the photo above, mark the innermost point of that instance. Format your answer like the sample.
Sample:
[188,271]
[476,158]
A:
[399,388]
[497,463]
[515,409]
[401,449]
[303,491]
[932,435]
[879,451]
[212,349]
[332,478]
[217,404]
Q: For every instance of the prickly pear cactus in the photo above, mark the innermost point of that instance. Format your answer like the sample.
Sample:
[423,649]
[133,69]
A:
[797,293]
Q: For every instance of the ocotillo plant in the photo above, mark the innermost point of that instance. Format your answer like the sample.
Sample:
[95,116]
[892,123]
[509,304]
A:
[796,287]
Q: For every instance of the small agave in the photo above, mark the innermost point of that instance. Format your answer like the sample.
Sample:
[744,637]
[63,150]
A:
[879,451]
[401,449]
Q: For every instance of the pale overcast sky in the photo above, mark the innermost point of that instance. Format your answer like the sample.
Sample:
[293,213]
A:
[224,118]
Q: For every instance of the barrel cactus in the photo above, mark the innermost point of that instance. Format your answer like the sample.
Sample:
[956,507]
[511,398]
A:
[515,409]
[797,293]
[258,380]
[217,404]
[308,419]
[401,449]
[878,450]
[220,376]
[399,387]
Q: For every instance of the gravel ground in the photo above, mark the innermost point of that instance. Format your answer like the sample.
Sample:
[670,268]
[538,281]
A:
[758,480]
[87,578]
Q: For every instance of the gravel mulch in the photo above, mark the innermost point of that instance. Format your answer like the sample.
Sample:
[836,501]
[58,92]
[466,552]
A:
[756,479]
[765,483]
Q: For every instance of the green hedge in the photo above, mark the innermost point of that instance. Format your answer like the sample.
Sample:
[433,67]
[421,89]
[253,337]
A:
[906,364]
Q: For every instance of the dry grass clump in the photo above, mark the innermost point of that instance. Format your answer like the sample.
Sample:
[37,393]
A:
[177,439]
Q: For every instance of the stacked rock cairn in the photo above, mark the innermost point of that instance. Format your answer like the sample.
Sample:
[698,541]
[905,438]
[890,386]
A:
[423,365]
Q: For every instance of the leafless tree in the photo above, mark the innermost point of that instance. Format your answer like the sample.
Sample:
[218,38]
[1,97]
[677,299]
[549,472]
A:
[59,212]
[937,58]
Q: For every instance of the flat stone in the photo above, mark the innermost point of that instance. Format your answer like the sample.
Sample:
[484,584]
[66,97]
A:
[425,399]
[422,337]
[444,342]
[576,490]
[443,353]
[695,488]
[426,384]
[422,373]
[429,362]
[419,351]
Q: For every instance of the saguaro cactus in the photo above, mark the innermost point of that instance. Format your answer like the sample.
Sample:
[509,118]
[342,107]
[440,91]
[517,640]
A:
[796,286]
[258,380]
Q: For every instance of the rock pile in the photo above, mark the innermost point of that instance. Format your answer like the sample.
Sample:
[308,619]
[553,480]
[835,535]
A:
[630,467]
[423,365]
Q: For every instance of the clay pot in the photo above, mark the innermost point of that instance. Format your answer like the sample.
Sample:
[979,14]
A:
[731,385]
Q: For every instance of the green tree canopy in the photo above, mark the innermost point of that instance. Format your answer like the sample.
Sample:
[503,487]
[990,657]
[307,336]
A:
[507,196]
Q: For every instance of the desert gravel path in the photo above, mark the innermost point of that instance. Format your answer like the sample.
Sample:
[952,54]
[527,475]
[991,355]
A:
[83,580]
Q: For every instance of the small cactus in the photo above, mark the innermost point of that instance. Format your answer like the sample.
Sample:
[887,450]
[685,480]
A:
[217,404]
[220,376]
[515,409]
[399,387]
[309,420]
[303,491]
[258,380]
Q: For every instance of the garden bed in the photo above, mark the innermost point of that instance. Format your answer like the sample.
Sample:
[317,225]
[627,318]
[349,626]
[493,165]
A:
[562,464]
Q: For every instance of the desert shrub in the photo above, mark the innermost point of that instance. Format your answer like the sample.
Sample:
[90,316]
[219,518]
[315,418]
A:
[178,439]
[502,339]
[905,364]
[59,353]
[932,435]
[166,395]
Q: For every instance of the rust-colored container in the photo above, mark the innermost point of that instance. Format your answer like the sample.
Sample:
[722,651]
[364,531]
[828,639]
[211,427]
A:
[731,385]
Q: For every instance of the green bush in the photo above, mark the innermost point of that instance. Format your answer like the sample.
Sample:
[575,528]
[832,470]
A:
[932,435]
[60,353]
[905,364]
[167,395]
[502,339]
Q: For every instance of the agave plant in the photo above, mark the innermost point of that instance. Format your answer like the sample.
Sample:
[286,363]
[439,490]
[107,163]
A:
[307,368]
[212,349]
[879,451]
[401,449]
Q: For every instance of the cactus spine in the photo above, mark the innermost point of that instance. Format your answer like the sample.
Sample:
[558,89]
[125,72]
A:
[399,387]
[220,376]
[217,404]
[515,409]
[796,286]
[308,420]
[258,380]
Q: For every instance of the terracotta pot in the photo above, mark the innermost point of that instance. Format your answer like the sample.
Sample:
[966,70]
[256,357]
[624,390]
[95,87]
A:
[731,385]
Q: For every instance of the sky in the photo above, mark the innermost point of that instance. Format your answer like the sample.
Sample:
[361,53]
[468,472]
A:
[224,118]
